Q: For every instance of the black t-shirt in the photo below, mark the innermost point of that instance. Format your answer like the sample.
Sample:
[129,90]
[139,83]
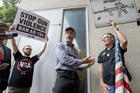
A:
[22,71]
[107,58]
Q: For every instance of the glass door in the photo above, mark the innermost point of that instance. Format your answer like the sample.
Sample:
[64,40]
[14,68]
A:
[76,18]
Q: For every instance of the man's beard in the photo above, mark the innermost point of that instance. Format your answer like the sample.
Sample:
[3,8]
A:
[27,54]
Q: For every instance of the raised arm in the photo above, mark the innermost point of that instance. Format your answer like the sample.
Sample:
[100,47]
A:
[43,49]
[121,36]
[14,46]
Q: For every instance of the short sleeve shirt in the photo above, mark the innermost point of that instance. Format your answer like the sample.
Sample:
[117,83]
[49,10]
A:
[107,58]
[22,71]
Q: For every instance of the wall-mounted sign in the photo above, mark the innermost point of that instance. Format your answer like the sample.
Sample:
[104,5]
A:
[122,11]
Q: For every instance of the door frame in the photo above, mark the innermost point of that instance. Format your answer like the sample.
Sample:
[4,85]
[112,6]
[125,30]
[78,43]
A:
[87,40]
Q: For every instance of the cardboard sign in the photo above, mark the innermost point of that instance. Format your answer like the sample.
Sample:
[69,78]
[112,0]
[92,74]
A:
[31,25]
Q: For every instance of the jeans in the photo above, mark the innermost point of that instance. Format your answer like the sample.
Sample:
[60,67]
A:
[66,82]
[112,89]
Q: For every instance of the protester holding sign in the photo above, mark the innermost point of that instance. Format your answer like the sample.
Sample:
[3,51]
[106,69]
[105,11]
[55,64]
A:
[22,74]
[5,59]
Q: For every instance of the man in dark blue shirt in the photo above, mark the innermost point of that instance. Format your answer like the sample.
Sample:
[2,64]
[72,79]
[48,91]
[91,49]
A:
[106,59]
[67,80]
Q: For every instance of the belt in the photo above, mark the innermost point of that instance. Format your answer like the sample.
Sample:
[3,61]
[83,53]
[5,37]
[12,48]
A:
[66,71]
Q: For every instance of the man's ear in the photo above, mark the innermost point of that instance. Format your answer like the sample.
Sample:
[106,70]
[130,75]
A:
[112,39]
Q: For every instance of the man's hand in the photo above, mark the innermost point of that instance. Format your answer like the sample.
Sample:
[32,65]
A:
[112,23]
[105,87]
[3,66]
[11,28]
[88,60]
[92,61]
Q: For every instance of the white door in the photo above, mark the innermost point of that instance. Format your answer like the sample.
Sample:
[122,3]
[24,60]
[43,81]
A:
[76,18]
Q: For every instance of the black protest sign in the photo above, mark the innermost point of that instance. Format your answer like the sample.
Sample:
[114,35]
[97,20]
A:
[31,25]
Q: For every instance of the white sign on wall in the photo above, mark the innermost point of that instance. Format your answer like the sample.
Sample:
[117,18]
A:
[31,25]
[122,11]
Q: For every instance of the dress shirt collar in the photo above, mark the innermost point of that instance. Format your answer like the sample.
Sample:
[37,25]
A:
[66,43]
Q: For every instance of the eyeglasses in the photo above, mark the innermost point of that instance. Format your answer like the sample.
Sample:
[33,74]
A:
[28,48]
[107,36]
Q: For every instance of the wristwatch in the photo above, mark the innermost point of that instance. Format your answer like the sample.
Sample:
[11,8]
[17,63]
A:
[116,29]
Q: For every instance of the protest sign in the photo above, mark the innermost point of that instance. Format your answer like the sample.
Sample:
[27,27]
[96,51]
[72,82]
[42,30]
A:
[31,25]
